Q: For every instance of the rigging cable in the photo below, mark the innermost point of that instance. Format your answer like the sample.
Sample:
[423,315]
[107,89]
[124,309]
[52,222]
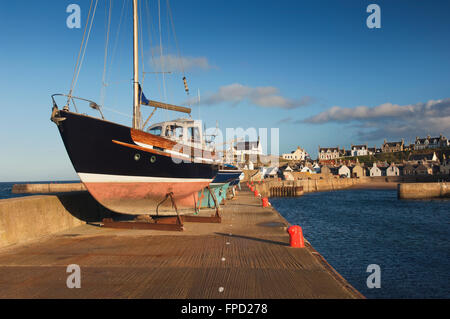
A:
[79,54]
[108,27]
[116,41]
[180,60]
[169,10]
[74,83]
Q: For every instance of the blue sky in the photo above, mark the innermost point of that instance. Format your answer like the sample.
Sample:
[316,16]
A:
[311,68]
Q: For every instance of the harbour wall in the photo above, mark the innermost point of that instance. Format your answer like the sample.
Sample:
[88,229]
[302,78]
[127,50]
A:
[308,185]
[423,190]
[47,188]
[28,218]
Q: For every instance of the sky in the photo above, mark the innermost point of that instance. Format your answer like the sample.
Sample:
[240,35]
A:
[312,69]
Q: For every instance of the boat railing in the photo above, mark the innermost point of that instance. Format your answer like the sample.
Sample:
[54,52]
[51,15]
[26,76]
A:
[71,99]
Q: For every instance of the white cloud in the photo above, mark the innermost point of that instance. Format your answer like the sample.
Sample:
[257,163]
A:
[391,120]
[261,96]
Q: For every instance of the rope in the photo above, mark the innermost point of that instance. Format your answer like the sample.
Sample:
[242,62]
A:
[103,89]
[116,41]
[85,46]
[175,36]
[79,54]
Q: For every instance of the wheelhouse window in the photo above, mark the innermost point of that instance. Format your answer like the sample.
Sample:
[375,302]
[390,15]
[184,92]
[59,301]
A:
[156,130]
[174,131]
[194,134]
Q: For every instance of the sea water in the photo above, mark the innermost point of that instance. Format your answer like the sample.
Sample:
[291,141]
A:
[408,239]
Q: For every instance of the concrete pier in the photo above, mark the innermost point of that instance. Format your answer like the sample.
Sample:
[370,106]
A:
[300,187]
[47,188]
[423,190]
[246,256]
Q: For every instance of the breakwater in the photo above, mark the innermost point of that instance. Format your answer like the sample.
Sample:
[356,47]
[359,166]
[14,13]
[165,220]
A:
[28,218]
[47,188]
[269,188]
[423,190]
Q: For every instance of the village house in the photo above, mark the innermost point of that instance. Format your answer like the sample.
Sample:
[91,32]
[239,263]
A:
[409,169]
[372,150]
[247,149]
[375,170]
[298,155]
[271,172]
[316,168]
[444,168]
[389,147]
[424,169]
[345,153]
[359,150]
[286,168]
[344,171]
[393,170]
[423,158]
[358,170]
[328,153]
[431,142]
[306,169]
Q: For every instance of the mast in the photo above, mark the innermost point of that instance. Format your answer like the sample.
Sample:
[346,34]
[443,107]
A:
[136,102]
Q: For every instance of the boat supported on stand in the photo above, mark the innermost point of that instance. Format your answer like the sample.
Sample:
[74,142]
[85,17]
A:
[128,170]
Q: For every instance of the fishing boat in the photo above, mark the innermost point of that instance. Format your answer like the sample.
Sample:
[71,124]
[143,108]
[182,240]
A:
[228,175]
[130,170]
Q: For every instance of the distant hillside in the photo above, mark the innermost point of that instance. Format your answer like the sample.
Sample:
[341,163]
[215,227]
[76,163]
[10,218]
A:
[397,157]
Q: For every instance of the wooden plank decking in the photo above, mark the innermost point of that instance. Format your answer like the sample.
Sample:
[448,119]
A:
[247,256]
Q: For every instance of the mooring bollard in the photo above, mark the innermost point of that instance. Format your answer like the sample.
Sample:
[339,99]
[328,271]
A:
[296,237]
[265,202]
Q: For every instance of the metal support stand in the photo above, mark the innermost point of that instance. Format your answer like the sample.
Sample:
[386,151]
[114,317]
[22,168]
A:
[169,223]
[204,219]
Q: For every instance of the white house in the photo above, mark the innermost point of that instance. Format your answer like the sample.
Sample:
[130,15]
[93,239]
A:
[271,172]
[444,168]
[241,149]
[298,155]
[328,153]
[344,170]
[431,142]
[316,168]
[306,169]
[359,150]
[392,170]
[375,170]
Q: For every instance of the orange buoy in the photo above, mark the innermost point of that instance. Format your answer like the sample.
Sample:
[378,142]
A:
[296,237]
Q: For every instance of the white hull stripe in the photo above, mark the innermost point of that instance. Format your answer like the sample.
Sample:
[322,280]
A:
[105,178]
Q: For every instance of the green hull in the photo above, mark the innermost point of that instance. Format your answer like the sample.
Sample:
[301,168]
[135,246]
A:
[205,198]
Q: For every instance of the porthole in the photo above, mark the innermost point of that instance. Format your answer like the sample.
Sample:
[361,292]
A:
[153,159]
[137,157]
